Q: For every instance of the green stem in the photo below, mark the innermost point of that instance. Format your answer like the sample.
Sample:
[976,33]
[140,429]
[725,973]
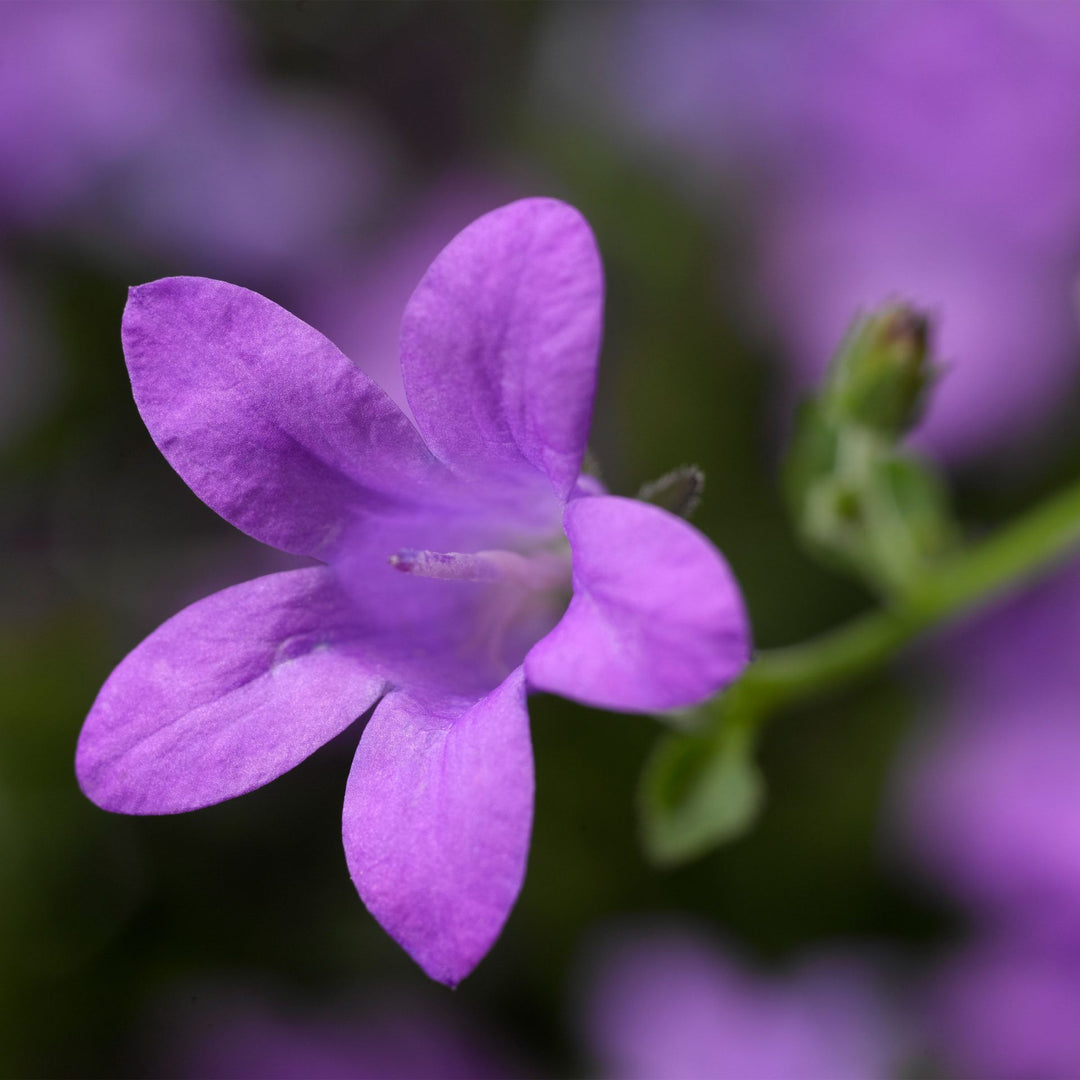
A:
[1015,554]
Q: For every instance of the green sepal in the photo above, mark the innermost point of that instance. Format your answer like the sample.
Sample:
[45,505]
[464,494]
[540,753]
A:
[811,457]
[679,491]
[697,791]
[881,374]
[912,527]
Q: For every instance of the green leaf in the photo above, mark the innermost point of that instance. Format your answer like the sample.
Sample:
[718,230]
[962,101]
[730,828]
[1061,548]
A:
[698,791]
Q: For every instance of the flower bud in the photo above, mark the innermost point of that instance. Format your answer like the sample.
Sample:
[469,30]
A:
[880,376]
[860,499]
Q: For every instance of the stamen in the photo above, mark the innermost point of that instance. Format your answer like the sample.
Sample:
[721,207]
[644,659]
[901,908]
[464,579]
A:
[542,570]
[450,565]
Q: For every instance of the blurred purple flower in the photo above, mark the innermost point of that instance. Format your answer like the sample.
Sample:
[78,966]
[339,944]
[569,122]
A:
[83,85]
[995,810]
[1021,651]
[990,799]
[991,806]
[210,1036]
[1004,321]
[449,577]
[698,79]
[929,151]
[668,1006]
[967,108]
[144,128]
[357,303]
[263,182]
[1008,1009]
[936,156]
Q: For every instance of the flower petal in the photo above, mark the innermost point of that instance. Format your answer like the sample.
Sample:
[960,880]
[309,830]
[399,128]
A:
[438,812]
[227,695]
[657,620]
[499,343]
[265,420]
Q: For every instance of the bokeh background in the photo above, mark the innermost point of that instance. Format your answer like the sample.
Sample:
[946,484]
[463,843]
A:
[909,903]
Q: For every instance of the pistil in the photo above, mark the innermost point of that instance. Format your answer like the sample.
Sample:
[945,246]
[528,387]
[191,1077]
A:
[539,570]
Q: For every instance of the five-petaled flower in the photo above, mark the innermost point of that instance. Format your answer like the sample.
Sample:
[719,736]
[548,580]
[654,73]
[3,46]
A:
[464,560]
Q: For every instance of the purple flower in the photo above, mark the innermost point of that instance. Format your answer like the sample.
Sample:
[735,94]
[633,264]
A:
[995,811]
[465,560]
[930,151]
[1008,1008]
[992,808]
[989,799]
[146,129]
[671,1005]
[234,184]
[203,1030]
[84,85]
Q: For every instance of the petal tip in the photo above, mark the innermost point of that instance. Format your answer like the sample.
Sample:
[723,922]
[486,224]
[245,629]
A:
[137,296]
[451,977]
[139,293]
[557,213]
[436,823]
[95,782]
[149,290]
[141,297]
[657,621]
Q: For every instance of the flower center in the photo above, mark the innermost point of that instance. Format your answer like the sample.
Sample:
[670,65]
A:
[511,600]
